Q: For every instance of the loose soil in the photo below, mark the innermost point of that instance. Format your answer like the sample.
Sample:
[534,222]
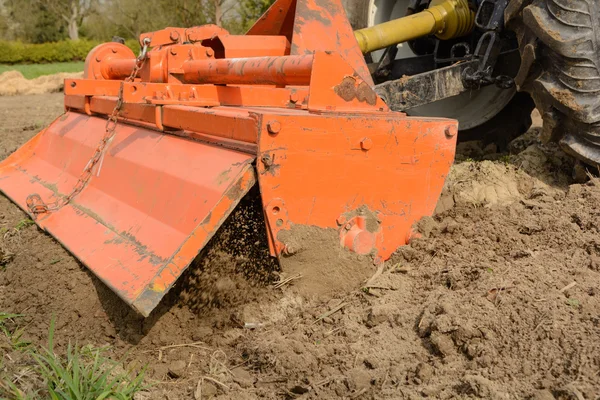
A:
[498,299]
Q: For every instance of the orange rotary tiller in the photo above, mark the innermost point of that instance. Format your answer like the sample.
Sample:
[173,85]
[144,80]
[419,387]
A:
[169,142]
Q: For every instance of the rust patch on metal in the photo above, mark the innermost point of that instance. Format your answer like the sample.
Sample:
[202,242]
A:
[142,250]
[346,89]
[364,93]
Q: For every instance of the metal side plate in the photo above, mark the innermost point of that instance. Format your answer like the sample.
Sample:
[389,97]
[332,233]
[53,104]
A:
[152,204]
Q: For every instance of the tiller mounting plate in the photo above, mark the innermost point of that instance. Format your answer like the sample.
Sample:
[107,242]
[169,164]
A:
[289,106]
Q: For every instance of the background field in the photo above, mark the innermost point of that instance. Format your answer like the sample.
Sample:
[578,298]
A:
[31,71]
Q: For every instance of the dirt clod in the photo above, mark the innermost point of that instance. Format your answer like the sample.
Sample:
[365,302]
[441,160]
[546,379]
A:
[205,390]
[242,377]
[177,369]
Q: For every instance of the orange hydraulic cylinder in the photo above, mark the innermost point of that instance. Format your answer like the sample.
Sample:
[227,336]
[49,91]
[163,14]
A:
[118,68]
[281,71]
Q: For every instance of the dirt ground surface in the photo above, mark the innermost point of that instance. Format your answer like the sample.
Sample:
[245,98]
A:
[498,299]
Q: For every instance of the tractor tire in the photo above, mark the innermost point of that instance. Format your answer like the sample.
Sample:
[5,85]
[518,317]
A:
[510,122]
[560,68]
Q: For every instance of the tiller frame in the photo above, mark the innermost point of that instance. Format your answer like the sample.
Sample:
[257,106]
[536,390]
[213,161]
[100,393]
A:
[289,106]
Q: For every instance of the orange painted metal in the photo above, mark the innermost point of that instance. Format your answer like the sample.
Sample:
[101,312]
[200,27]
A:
[321,25]
[258,96]
[328,174]
[290,107]
[277,20]
[234,46]
[99,62]
[283,71]
[197,34]
[165,36]
[118,69]
[153,203]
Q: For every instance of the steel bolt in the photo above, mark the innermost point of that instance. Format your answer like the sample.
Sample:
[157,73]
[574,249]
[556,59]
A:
[210,52]
[273,127]
[289,250]
[174,52]
[267,161]
[451,130]
[174,35]
[98,59]
[366,144]
[341,220]
[294,97]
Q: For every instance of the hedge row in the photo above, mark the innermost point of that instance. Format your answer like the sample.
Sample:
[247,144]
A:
[65,51]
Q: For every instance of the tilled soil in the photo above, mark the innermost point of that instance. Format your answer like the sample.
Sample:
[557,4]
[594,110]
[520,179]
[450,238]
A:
[498,299]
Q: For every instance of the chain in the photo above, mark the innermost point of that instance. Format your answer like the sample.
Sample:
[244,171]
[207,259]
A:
[35,203]
[477,79]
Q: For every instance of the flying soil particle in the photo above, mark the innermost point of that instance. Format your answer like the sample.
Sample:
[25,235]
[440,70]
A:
[236,262]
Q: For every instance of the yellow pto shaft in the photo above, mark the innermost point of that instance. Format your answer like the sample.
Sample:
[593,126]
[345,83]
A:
[446,19]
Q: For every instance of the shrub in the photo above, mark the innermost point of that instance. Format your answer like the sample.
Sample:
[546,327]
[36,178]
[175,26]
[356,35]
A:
[64,51]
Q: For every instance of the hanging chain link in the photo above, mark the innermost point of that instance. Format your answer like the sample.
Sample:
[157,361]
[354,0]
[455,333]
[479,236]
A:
[35,203]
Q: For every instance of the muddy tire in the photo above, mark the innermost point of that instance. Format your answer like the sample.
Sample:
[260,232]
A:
[560,68]
[500,127]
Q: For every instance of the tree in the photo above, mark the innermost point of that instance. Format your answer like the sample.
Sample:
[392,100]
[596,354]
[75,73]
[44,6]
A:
[251,10]
[71,11]
[220,9]
[31,22]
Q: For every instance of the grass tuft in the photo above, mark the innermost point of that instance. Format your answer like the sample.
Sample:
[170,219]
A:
[83,373]
[13,336]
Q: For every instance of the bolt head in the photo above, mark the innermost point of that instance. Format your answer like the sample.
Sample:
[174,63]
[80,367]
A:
[210,52]
[366,144]
[267,161]
[341,220]
[289,250]
[451,130]
[273,127]
[174,35]
[174,52]
[294,97]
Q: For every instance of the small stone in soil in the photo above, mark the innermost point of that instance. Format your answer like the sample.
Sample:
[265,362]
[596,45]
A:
[177,369]
[543,395]
[202,333]
[242,377]
[358,379]
[205,390]
[424,372]
[443,344]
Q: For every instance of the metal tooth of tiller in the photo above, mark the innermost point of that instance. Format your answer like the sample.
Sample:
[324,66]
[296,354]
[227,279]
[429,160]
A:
[294,93]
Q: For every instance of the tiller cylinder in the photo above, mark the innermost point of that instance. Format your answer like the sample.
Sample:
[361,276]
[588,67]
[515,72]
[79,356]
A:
[289,107]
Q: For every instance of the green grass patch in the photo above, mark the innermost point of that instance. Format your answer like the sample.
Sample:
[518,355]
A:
[83,373]
[31,71]
[13,336]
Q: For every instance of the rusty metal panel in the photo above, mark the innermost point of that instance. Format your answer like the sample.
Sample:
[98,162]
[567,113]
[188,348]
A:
[153,202]
[327,172]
